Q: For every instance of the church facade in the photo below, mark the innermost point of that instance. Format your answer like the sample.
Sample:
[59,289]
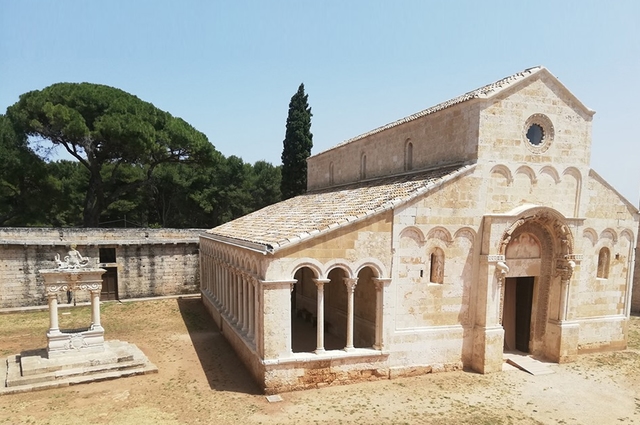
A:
[433,243]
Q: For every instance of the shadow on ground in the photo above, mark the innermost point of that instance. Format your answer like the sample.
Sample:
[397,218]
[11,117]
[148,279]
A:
[221,365]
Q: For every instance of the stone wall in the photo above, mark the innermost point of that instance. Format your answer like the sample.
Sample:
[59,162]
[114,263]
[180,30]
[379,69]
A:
[148,262]
[444,137]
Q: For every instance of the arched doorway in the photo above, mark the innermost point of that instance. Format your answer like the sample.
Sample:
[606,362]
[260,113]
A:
[537,248]
[524,253]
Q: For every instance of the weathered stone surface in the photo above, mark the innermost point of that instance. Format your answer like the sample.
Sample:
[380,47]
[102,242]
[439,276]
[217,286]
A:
[149,262]
[409,274]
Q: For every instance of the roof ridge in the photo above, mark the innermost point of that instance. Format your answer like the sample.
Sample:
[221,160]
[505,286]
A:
[473,94]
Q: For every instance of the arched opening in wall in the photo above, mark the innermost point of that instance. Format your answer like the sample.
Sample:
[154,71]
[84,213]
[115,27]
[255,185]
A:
[436,273]
[335,310]
[364,310]
[604,259]
[304,301]
[363,166]
[408,156]
[331,173]
[523,254]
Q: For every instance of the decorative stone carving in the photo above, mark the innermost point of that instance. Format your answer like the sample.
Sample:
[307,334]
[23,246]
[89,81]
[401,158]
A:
[74,260]
[72,276]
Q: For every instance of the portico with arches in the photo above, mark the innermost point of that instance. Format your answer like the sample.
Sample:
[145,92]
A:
[465,232]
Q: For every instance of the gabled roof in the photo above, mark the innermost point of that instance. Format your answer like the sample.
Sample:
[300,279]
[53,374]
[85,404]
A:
[303,217]
[483,92]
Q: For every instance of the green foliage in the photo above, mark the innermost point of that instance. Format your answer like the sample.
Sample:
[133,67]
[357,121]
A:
[106,129]
[298,142]
[24,187]
[135,165]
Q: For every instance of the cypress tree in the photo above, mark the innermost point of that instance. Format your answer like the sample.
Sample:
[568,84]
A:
[297,146]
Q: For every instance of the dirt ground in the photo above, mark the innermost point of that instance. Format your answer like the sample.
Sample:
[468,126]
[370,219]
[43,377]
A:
[200,380]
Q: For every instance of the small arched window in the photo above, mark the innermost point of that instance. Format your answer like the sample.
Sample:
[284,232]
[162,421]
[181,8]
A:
[331,173]
[363,166]
[408,156]
[604,258]
[437,266]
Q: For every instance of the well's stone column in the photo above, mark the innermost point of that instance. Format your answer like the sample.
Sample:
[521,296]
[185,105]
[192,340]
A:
[95,310]
[53,312]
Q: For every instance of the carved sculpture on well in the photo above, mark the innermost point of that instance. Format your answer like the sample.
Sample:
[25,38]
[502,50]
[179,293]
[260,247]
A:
[74,260]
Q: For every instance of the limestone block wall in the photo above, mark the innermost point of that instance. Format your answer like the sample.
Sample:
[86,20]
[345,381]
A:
[350,247]
[504,124]
[427,320]
[149,262]
[444,137]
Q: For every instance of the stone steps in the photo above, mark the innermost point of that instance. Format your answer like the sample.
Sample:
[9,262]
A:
[119,359]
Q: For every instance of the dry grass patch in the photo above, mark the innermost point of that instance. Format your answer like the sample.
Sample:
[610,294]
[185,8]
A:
[200,380]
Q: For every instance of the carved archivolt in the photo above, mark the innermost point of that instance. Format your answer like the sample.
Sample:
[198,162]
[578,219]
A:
[550,220]
[465,232]
[414,234]
[626,233]
[527,171]
[440,233]
[610,234]
[504,171]
[590,235]
[551,171]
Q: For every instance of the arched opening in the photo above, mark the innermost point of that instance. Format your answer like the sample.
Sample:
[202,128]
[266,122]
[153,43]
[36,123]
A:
[363,166]
[408,156]
[437,266]
[604,259]
[535,281]
[365,310]
[331,173]
[335,310]
[523,253]
[304,298]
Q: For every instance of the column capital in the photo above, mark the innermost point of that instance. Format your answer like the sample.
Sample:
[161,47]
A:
[381,282]
[350,283]
[321,282]
[565,270]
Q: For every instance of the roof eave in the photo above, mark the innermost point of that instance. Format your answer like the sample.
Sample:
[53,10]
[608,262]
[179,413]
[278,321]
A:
[387,207]
[263,249]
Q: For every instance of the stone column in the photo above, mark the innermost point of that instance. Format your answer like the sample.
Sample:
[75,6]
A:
[95,309]
[380,284]
[320,314]
[252,306]
[350,283]
[256,312]
[223,284]
[245,305]
[565,271]
[234,297]
[501,272]
[52,298]
[239,299]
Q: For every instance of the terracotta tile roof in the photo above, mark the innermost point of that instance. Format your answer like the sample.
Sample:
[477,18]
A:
[482,92]
[313,213]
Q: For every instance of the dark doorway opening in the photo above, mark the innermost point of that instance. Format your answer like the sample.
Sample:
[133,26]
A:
[109,284]
[516,318]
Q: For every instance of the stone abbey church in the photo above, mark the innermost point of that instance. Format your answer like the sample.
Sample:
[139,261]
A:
[437,242]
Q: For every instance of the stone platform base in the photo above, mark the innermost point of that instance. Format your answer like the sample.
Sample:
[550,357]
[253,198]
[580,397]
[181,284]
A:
[33,370]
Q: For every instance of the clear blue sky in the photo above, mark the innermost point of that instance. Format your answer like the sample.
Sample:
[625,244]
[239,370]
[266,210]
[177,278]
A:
[230,67]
